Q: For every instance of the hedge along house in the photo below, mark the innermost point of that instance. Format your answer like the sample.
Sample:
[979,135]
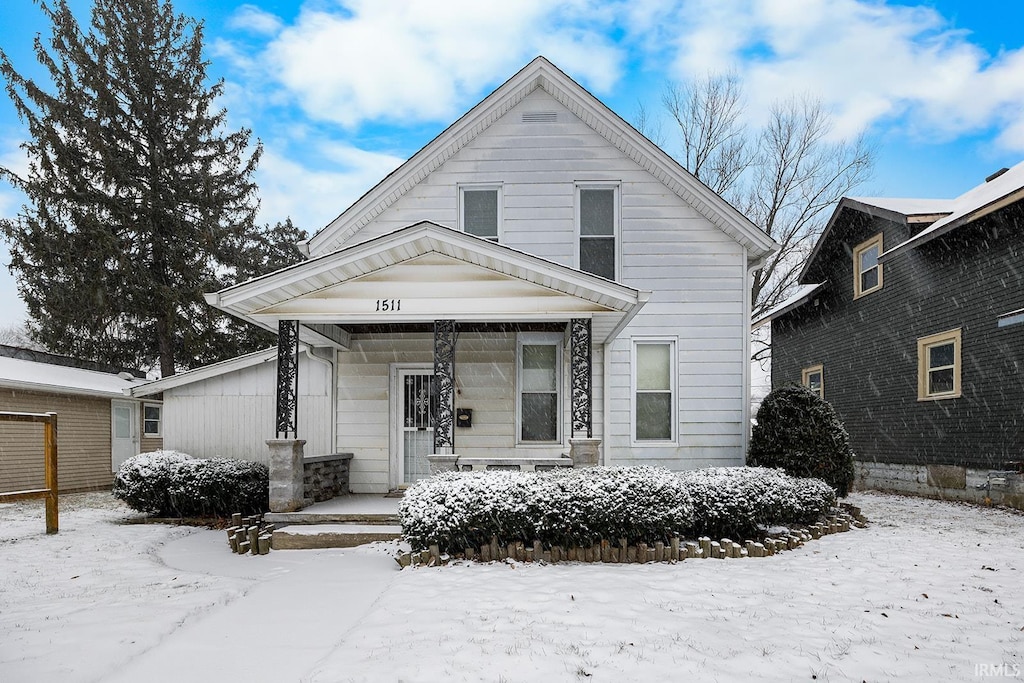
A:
[910,322]
[539,279]
[98,425]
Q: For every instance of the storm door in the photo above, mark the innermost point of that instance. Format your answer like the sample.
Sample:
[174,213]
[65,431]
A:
[415,409]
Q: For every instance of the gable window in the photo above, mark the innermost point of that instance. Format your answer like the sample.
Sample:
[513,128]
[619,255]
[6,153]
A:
[867,271]
[598,220]
[814,379]
[938,366]
[653,390]
[151,419]
[539,360]
[480,211]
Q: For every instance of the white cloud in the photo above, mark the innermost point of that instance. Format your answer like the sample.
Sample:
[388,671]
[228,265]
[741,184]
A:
[312,197]
[255,20]
[420,61]
[866,61]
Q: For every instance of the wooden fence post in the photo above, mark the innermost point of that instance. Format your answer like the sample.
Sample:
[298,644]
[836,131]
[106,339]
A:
[50,450]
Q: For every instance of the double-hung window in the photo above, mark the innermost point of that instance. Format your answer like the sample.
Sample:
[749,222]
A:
[151,419]
[539,360]
[654,395]
[938,366]
[598,227]
[480,210]
[867,271]
[814,379]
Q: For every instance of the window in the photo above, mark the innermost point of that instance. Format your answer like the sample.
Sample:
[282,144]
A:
[654,395]
[938,366]
[867,271]
[814,379]
[540,381]
[598,227]
[151,414]
[481,211]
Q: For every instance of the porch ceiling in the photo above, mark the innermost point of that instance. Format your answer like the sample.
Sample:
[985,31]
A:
[429,272]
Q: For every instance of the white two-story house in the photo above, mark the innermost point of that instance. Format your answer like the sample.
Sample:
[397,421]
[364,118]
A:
[539,278]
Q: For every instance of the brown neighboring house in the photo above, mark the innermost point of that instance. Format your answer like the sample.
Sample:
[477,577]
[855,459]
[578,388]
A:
[98,424]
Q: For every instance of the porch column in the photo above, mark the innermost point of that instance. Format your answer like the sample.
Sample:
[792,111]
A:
[287,378]
[584,449]
[287,491]
[582,377]
[444,380]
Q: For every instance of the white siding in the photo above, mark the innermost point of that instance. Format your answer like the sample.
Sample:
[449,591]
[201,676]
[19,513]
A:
[233,415]
[485,369]
[696,272]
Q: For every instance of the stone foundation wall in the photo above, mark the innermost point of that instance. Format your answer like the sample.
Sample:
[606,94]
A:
[946,482]
[325,476]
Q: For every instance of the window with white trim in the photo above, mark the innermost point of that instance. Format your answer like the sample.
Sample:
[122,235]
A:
[539,384]
[654,395]
[814,379]
[867,271]
[152,419]
[598,229]
[938,366]
[480,211]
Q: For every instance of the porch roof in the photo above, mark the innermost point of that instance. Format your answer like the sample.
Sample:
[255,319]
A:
[427,272]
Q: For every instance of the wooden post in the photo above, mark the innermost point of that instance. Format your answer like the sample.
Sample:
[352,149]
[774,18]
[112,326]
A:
[50,449]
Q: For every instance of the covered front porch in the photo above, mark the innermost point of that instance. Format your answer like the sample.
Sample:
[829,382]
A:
[446,347]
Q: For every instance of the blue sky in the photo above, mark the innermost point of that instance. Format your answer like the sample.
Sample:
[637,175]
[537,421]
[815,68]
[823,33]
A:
[342,91]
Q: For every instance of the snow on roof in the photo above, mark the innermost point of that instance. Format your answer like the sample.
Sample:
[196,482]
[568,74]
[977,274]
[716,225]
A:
[909,206]
[801,294]
[975,203]
[25,374]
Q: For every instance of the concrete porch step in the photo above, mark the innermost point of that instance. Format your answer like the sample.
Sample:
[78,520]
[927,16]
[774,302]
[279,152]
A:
[316,517]
[306,536]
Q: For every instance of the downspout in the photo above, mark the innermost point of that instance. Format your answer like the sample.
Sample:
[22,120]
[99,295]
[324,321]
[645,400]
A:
[333,370]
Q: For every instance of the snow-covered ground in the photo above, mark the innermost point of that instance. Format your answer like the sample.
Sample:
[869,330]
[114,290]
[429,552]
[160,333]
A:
[931,591]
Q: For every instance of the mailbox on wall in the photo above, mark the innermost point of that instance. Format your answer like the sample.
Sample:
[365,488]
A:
[463,417]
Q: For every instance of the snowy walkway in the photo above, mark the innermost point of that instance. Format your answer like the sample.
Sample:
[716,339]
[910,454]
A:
[930,591]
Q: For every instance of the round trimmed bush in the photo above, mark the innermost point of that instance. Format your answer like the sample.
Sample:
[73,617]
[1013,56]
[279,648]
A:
[801,433]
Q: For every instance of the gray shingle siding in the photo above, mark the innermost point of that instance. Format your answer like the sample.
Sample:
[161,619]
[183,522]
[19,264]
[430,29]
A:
[868,346]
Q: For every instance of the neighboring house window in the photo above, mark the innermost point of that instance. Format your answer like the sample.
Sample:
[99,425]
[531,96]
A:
[539,381]
[938,366]
[867,271]
[480,209]
[598,221]
[814,379]
[151,419]
[654,390]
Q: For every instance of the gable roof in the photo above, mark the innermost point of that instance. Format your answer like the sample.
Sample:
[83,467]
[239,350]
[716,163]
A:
[27,375]
[208,371]
[801,295]
[447,272]
[540,73]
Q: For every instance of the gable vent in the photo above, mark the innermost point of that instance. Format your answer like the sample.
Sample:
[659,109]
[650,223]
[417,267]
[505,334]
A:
[540,116]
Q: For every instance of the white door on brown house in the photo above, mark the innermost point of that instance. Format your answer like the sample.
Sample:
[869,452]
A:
[124,432]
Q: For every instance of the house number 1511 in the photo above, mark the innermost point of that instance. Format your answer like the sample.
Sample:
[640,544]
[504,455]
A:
[387,305]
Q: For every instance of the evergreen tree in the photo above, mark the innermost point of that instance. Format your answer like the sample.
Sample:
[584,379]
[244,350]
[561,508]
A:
[139,199]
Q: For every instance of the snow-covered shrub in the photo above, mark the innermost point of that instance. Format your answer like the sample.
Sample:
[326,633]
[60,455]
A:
[801,433]
[168,483]
[144,481]
[738,501]
[456,510]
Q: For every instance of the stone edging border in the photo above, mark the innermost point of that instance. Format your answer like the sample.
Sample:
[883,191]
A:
[843,519]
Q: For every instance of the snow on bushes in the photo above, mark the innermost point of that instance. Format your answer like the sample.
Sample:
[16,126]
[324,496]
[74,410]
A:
[738,501]
[579,507]
[173,484]
[800,432]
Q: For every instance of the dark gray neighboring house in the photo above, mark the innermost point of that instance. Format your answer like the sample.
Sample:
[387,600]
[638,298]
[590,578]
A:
[910,321]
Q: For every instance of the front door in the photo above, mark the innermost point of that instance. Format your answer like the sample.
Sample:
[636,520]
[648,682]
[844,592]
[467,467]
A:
[415,411]
[124,432]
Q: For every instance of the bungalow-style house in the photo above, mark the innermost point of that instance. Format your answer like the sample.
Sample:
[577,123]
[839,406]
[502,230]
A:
[99,425]
[540,279]
[909,322]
